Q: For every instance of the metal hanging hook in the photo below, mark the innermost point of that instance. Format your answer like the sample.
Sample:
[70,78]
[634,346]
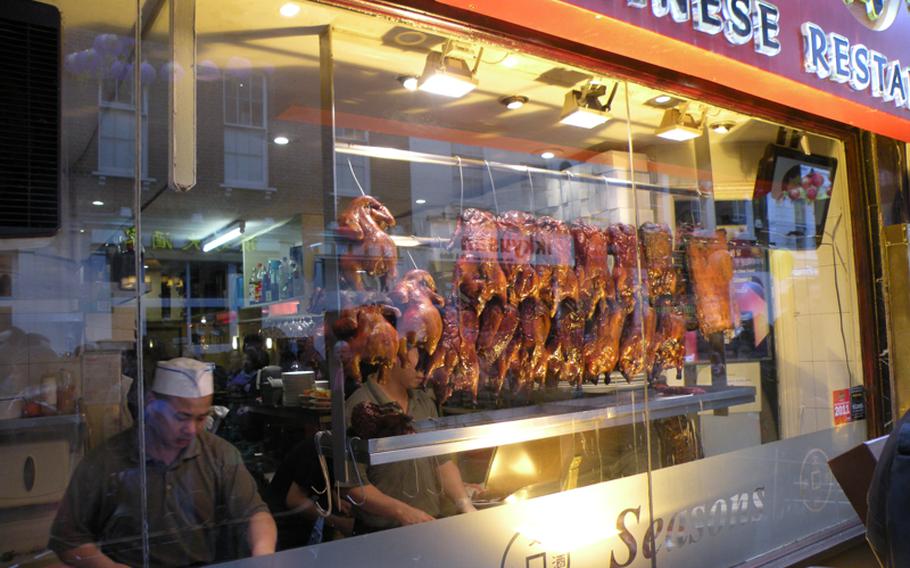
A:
[461,181]
[412,259]
[356,181]
[325,476]
[531,191]
[492,186]
[416,483]
[360,482]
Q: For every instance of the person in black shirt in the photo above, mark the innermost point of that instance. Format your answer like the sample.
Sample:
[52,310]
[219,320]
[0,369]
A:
[290,496]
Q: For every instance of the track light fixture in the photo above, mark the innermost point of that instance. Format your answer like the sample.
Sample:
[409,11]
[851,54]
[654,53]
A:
[447,75]
[680,124]
[583,107]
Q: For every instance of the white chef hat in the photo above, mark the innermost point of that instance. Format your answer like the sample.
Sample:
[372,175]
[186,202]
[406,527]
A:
[183,377]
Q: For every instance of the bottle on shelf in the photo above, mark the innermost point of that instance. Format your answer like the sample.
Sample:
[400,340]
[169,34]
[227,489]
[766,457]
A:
[256,284]
[284,279]
[267,282]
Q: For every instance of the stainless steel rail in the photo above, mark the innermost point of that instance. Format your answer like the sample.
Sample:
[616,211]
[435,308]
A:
[486,429]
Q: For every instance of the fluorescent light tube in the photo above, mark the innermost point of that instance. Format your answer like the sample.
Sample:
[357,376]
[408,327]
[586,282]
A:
[221,239]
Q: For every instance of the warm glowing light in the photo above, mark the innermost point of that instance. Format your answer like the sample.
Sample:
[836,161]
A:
[585,118]
[546,522]
[289,10]
[409,82]
[548,155]
[405,241]
[97,203]
[235,343]
[268,342]
[662,99]
[679,133]
[420,201]
[511,61]
[514,102]
[203,320]
[446,85]
[281,140]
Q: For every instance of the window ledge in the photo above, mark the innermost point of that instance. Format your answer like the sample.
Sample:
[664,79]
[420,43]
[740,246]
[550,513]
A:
[229,185]
[122,175]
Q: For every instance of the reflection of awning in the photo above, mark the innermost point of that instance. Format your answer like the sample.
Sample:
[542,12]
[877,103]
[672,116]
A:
[751,298]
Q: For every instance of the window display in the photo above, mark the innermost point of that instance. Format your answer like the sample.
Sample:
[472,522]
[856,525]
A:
[428,274]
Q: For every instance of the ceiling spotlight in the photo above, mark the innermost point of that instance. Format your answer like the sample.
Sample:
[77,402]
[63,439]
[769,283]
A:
[97,203]
[679,124]
[663,101]
[420,201]
[722,127]
[511,61]
[281,140]
[289,10]
[409,82]
[547,155]
[81,230]
[582,108]
[514,102]
[448,76]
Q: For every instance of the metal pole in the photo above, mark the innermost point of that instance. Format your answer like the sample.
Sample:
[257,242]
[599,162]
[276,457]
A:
[139,271]
[332,281]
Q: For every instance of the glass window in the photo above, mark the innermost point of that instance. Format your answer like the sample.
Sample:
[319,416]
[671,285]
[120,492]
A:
[116,125]
[619,320]
[245,135]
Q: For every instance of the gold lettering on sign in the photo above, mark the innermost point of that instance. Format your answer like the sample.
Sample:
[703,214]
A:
[872,10]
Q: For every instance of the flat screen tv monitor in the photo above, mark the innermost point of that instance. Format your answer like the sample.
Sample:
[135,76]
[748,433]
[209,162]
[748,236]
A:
[791,198]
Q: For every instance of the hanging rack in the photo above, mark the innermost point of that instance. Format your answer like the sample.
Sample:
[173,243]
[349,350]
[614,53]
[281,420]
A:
[457,161]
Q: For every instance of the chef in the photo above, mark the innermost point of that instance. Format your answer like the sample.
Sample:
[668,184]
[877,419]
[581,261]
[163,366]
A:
[200,496]
[406,492]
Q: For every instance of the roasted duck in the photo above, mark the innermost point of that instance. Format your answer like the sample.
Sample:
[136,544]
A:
[594,280]
[478,276]
[370,420]
[623,243]
[670,340]
[565,345]
[529,366]
[365,335]
[661,276]
[636,350]
[420,323]
[555,263]
[711,272]
[454,365]
[516,246]
[498,323]
[371,250]
[601,341]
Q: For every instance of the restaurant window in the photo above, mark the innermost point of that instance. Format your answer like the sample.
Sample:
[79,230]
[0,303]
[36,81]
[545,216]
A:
[117,126]
[614,313]
[245,133]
